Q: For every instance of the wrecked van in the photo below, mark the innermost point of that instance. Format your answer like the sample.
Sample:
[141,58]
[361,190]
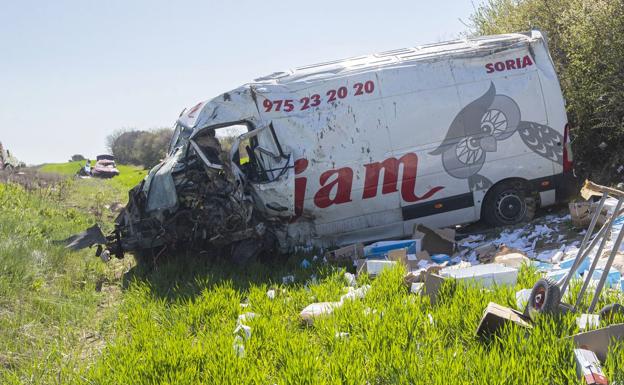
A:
[360,149]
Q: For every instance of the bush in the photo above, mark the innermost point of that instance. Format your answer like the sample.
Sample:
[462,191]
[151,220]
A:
[587,45]
[137,147]
[77,158]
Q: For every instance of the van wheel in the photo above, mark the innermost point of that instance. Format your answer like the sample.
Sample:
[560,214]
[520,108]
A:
[509,203]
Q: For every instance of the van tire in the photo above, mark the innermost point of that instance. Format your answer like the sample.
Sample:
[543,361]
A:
[509,203]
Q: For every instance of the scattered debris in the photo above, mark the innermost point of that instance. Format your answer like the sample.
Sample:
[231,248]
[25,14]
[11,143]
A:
[246,317]
[374,267]
[581,214]
[485,275]
[341,335]
[495,316]
[305,264]
[288,279]
[346,254]
[351,280]
[435,241]
[317,309]
[239,347]
[588,368]
[588,321]
[243,331]
[271,294]
[598,340]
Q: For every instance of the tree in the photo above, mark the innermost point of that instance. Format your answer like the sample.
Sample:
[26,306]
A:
[137,147]
[77,158]
[587,46]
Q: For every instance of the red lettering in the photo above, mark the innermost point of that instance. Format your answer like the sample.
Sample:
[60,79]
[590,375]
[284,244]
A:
[390,179]
[518,63]
[489,67]
[343,183]
[499,66]
[526,61]
[510,64]
[300,186]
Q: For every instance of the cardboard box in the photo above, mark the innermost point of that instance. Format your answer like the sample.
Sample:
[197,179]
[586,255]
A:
[495,316]
[588,368]
[598,340]
[346,254]
[425,283]
[435,241]
[581,214]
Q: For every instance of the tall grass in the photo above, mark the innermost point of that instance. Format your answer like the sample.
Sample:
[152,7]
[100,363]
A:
[67,318]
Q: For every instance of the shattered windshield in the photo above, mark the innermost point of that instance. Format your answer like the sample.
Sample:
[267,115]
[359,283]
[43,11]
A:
[180,132]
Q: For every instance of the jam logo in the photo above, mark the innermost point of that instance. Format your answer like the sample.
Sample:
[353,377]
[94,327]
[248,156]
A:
[336,184]
[507,65]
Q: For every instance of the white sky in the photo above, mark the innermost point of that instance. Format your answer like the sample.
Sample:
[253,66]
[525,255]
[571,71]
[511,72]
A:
[72,72]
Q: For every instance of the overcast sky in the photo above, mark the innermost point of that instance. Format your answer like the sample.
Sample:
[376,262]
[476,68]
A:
[72,72]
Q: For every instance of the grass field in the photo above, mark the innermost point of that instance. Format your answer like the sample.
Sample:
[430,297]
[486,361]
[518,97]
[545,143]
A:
[65,317]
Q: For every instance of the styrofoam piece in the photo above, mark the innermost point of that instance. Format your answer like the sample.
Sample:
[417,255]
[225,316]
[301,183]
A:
[522,298]
[271,293]
[588,321]
[380,249]
[485,275]
[376,266]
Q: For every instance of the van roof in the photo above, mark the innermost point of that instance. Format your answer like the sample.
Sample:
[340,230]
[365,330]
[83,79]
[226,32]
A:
[482,45]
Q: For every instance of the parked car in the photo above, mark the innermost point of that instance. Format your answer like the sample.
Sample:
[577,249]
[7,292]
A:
[361,149]
[104,167]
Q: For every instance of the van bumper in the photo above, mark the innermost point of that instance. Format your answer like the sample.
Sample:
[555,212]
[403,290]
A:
[567,185]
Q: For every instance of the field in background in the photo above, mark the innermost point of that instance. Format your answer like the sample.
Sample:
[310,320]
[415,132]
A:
[65,317]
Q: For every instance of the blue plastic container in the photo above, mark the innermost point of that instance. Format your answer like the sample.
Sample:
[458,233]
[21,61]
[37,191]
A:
[440,258]
[380,249]
[613,278]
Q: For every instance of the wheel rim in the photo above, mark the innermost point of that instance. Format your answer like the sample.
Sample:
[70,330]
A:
[539,299]
[510,207]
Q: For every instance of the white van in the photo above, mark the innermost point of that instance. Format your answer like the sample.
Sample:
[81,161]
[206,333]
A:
[361,149]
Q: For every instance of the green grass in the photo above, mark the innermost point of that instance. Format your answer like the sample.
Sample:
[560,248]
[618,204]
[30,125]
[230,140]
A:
[65,317]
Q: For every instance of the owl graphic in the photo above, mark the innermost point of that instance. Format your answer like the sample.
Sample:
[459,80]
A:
[477,129]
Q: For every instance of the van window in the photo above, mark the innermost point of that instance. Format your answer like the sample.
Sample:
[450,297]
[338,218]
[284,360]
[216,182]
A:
[260,157]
